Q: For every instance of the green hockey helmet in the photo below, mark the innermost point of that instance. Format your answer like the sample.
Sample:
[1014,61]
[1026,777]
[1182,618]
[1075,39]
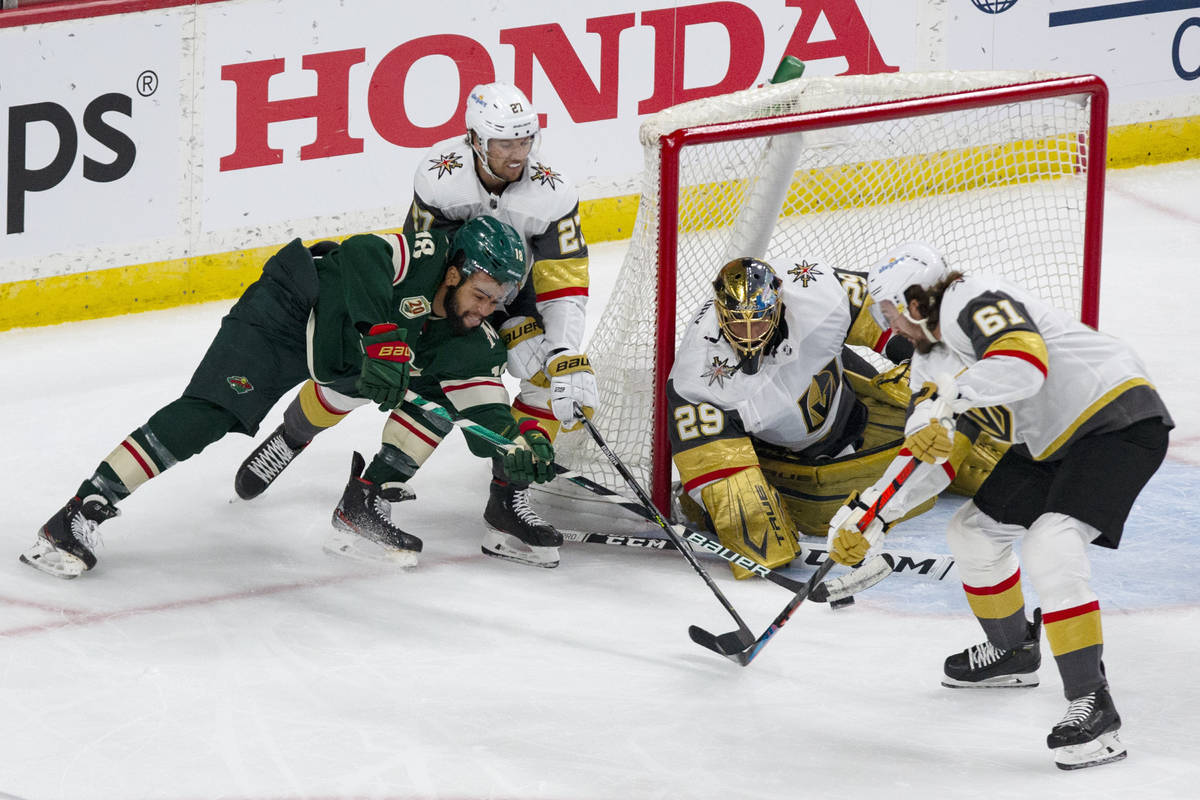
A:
[486,244]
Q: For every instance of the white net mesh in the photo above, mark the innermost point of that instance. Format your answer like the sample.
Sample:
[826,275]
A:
[999,188]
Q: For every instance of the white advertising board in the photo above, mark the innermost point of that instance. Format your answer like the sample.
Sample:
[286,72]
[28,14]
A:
[96,136]
[1148,52]
[389,84]
[270,119]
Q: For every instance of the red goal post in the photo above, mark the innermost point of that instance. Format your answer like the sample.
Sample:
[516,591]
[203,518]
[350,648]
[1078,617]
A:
[1003,171]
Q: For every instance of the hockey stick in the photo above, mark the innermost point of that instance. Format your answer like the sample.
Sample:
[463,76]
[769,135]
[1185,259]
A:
[732,645]
[695,538]
[742,635]
[905,563]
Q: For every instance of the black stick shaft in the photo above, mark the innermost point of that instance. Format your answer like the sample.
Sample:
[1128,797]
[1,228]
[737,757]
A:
[658,517]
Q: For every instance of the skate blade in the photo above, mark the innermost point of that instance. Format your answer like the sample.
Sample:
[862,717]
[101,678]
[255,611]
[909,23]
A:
[1104,749]
[47,558]
[508,547]
[345,544]
[1026,681]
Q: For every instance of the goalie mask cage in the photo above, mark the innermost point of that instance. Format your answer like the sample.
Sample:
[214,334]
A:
[1003,171]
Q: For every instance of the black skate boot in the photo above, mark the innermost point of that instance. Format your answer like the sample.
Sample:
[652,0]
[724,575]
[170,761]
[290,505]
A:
[514,529]
[1087,734]
[984,665]
[362,521]
[264,465]
[65,544]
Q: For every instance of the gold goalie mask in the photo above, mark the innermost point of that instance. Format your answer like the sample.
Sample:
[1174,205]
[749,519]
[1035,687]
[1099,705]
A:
[748,308]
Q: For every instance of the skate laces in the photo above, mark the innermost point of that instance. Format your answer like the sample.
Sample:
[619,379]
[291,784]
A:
[983,655]
[84,528]
[270,460]
[523,510]
[1079,710]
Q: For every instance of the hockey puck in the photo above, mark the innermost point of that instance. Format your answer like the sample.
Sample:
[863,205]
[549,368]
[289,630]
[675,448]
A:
[842,602]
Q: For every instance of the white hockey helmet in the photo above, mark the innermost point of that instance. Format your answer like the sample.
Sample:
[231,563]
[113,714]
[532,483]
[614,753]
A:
[905,265]
[500,111]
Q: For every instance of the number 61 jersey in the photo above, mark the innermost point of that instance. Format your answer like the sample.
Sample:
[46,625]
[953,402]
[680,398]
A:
[797,399]
[1035,376]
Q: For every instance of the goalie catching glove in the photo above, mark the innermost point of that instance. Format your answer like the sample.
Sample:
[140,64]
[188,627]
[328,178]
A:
[848,544]
[571,382]
[531,460]
[385,365]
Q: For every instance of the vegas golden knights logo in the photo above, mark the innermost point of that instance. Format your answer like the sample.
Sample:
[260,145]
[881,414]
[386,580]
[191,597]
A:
[995,421]
[817,401]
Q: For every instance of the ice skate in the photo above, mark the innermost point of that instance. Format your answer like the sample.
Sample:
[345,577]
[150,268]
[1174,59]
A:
[66,544]
[362,522]
[265,464]
[1087,734]
[515,531]
[986,666]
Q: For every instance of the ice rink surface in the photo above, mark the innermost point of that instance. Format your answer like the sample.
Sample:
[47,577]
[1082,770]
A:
[217,652]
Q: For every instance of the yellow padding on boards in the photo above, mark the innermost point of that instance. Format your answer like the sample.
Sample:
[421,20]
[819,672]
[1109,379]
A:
[220,276]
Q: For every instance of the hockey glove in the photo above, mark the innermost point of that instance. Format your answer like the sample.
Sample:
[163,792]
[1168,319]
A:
[526,344]
[386,362]
[532,460]
[571,381]
[931,441]
[847,544]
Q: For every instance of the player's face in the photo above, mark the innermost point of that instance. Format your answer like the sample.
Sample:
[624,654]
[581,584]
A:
[904,325]
[473,301]
[507,157]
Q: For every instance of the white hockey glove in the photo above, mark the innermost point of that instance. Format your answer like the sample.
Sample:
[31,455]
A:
[847,544]
[930,428]
[526,343]
[571,381]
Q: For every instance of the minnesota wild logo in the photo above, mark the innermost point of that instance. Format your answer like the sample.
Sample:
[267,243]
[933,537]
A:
[239,384]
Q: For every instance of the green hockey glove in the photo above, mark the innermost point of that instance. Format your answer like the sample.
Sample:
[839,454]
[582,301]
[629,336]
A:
[386,361]
[532,461]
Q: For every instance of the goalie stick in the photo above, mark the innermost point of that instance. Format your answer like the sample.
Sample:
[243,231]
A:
[742,634]
[733,646]
[928,566]
[677,533]
[905,563]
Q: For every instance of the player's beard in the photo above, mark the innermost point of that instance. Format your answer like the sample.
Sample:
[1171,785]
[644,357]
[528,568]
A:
[456,318]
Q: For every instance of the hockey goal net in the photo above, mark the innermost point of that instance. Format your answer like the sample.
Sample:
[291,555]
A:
[1003,171]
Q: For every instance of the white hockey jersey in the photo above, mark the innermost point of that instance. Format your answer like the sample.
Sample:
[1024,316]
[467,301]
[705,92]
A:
[798,398]
[1026,373]
[543,206]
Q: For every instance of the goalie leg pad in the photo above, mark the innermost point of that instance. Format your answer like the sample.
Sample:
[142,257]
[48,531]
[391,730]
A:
[749,517]
[813,493]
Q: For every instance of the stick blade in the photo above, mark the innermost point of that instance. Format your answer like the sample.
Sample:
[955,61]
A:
[733,645]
